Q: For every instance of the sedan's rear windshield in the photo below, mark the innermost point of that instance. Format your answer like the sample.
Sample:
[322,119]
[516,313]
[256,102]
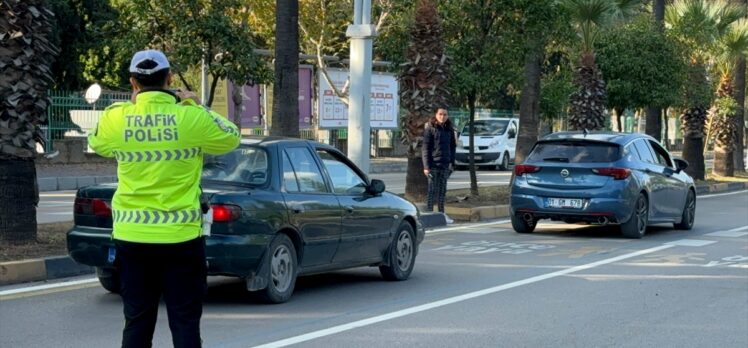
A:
[246,164]
[574,152]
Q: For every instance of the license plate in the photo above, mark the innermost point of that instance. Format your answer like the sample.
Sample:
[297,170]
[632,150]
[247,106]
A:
[574,203]
[478,158]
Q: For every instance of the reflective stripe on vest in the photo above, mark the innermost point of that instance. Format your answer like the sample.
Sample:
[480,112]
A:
[156,216]
[156,155]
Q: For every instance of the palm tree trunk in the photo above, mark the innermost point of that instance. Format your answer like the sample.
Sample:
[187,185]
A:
[529,104]
[19,196]
[693,154]
[286,84]
[739,154]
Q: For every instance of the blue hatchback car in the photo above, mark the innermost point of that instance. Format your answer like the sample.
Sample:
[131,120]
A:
[602,178]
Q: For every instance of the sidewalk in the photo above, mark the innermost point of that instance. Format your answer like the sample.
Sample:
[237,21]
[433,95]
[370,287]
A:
[75,176]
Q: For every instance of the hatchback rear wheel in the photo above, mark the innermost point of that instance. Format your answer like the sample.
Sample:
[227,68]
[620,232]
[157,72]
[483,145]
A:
[637,224]
[522,225]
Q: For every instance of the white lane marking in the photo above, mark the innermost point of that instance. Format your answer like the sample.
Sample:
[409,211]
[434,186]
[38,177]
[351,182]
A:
[38,288]
[722,194]
[735,232]
[447,301]
[691,242]
[467,226]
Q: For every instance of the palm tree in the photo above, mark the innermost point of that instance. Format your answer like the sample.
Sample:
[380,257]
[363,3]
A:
[699,25]
[423,88]
[723,126]
[286,86]
[26,57]
[589,16]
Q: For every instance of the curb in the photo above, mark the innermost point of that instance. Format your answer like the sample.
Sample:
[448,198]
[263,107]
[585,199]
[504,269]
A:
[72,182]
[23,271]
[14,272]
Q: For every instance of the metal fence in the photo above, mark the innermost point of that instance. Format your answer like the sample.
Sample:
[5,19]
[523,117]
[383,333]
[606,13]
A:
[70,115]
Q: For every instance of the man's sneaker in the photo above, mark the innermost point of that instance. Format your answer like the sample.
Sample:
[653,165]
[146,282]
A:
[449,221]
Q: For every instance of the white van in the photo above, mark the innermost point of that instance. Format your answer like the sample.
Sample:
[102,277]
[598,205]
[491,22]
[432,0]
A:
[495,143]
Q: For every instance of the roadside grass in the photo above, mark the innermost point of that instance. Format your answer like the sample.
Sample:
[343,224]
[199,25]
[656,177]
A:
[716,179]
[50,241]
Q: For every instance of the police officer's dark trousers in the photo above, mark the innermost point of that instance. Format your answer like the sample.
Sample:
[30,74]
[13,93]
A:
[175,271]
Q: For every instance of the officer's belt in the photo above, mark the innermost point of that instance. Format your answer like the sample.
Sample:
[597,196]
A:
[156,155]
[156,216]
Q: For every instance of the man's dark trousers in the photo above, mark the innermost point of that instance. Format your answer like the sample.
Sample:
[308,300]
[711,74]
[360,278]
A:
[148,271]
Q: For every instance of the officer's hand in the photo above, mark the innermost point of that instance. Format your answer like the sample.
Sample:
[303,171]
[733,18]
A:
[188,95]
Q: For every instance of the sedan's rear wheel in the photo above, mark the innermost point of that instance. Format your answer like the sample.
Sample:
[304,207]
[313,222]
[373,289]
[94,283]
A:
[283,270]
[637,224]
[109,280]
[402,254]
[689,213]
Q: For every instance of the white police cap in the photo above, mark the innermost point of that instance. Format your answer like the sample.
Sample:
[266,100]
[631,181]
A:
[156,56]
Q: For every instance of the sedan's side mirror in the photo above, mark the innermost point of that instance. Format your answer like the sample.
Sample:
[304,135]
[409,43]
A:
[376,187]
[680,164]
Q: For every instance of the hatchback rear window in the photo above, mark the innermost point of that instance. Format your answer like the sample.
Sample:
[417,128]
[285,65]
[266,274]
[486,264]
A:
[574,152]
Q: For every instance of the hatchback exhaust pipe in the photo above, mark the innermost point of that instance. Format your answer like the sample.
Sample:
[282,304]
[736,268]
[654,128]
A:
[603,220]
[527,217]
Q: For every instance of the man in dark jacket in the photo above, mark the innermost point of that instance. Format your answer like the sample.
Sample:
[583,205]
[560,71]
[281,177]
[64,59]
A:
[439,146]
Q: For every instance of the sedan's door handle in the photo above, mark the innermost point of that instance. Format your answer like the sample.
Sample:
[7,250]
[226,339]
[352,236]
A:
[349,210]
[297,209]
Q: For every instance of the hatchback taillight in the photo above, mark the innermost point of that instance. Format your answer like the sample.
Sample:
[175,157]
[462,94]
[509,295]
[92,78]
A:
[521,169]
[616,173]
[92,206]
[225,212]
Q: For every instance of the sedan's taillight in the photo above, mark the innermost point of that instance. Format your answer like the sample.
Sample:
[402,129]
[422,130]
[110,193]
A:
[92,206]
[521,169]
[616,173]
[225,212]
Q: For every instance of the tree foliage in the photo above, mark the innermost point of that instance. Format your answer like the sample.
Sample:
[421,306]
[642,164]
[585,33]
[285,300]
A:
[188,32]
[642,66]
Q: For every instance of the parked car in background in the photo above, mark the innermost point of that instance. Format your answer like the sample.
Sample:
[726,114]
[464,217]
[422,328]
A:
[602,178]
[281,208]
[495,141]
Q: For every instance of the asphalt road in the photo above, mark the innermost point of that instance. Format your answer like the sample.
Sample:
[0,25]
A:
[58,205]
[474,285]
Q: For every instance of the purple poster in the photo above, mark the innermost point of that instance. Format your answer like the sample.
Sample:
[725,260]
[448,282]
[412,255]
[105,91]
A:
[305,97]
[252,110]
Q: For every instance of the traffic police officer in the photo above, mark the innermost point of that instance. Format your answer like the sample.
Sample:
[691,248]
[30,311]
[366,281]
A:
[159,142]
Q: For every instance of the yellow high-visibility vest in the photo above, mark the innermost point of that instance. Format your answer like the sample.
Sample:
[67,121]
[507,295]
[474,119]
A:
[159,146]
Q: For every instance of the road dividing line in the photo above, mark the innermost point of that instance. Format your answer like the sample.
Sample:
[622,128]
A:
[721,194]
[47,289]
[424,307]
[735,232]
[691,242]
[467,226]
